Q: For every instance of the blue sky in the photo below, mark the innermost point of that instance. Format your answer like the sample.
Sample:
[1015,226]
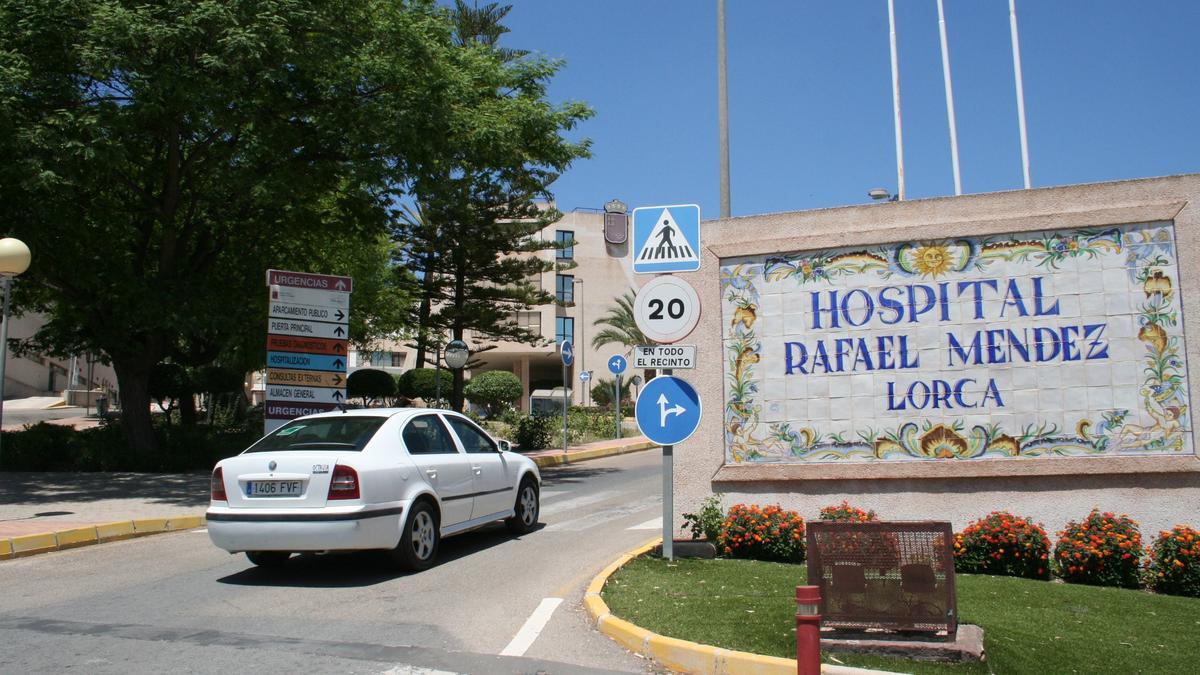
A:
[1112,91]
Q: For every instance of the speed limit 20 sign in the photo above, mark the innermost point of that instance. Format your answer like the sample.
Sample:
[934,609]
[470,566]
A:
[667,309]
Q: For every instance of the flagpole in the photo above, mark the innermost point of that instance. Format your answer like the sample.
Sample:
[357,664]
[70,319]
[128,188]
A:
[1016,50]
[949,98]
[723,108]
[896,101]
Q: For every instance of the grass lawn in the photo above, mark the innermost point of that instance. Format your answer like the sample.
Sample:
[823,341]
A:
[1029,626]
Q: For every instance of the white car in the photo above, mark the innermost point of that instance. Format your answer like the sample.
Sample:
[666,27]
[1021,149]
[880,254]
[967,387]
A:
[395,479]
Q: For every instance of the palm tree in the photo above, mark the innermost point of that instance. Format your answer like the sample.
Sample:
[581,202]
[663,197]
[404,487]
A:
[621,328]
[619,325]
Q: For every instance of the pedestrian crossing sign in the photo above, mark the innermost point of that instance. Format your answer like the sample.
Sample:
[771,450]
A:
[666,239]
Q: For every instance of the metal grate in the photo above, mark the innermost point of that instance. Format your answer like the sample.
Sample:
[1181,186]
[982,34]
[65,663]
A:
[884,575]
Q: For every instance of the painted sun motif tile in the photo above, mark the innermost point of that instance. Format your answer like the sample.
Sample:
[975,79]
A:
[1057,343]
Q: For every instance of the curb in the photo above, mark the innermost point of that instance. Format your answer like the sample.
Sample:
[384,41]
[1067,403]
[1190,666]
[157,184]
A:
[33,544]
[681,655]
[572,456]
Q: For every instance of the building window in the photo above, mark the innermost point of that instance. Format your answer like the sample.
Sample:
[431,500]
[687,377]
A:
[564,329]
[364,359]
[564,291]
[530,321]
[397,359]
[566,244]
[379,358]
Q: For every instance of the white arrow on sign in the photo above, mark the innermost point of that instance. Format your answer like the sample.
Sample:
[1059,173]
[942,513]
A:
[664,412]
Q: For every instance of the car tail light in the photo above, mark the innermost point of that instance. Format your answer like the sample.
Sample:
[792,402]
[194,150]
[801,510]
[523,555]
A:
[217,486]
[344,484]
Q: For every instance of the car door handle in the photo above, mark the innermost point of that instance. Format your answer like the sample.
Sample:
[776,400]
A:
[432,473]
[477,469]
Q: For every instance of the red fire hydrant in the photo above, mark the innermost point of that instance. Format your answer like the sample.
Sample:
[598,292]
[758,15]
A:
[808,630]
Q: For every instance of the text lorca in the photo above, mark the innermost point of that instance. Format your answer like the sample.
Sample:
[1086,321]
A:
[918,303]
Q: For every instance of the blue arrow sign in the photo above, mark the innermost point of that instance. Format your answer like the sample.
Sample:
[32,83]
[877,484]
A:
[617,364]
[567,352]
[585,376]
[668,410]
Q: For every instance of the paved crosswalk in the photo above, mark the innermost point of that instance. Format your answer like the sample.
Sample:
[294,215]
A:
[570,514]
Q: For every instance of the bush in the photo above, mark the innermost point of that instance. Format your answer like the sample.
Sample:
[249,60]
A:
[1103,550]
[422,383]
[534,433]
[707,521]
[494,390]
[370,384]
[844,513]
[1175,562]
[50,447]
[769,533]
[1004,544]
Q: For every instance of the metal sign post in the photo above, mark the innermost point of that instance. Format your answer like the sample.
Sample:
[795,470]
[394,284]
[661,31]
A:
[668,412]
[668,495]
[616,366]
[617,398]
[567,352]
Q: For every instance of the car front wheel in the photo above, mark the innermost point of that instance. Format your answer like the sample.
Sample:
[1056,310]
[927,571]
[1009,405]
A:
[527,508]
[418,545]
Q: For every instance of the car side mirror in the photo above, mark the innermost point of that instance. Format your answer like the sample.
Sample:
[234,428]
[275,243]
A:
[505,446]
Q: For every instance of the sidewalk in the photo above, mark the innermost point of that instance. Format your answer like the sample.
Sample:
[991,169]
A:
[41,512]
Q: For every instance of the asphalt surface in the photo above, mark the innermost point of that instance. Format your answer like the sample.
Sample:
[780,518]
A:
[175,602]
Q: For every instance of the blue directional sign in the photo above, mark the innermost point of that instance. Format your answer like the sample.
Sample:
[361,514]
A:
[617,364]
[567,352]
[296,361]
[585,376]
[666,239]
[668,410]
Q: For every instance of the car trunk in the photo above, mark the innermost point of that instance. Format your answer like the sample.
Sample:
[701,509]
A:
[298,480]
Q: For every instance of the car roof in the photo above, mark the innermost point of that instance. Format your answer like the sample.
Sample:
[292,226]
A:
[379,412]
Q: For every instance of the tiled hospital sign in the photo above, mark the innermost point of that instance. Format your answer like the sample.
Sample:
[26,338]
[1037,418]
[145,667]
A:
[1056,343]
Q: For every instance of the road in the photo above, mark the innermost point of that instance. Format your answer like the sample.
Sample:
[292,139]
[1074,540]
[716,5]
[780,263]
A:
[176,603]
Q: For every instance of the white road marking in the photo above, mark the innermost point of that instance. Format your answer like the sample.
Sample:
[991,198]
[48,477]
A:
[532,628]
[655,524]
[552,493]
[201,530]
[576,502]
[415,670]
[601,517]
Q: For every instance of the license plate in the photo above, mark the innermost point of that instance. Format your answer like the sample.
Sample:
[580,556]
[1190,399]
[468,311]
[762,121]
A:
[274,488]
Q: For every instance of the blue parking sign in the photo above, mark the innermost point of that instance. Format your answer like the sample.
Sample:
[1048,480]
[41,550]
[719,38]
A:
[668,410]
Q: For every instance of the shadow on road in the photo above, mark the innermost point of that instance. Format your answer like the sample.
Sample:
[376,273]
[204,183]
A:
[573,474]
[361,568]
[176,489]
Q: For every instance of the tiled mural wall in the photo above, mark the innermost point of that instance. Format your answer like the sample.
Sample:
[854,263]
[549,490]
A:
[1058,343]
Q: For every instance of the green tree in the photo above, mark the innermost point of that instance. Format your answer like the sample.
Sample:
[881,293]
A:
[473,245]
[494,390]
[618,325]
[422,383]
[160,156]
[370,384]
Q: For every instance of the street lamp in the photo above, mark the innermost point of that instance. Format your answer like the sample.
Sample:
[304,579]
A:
[881,194]
[14,259]
[582,342]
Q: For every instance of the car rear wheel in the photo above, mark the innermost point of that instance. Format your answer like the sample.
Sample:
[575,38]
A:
[274,559]
[527,508]
[418,545]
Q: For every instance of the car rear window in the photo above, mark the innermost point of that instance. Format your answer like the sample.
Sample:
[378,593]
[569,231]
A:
[350,432]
